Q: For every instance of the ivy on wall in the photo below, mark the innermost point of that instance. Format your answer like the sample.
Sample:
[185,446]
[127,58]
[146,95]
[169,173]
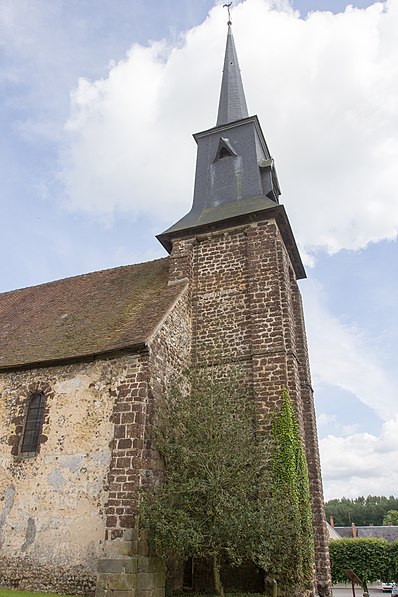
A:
[229,493]
[290,539]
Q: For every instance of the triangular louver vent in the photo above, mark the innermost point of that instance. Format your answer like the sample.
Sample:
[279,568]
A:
[225,150]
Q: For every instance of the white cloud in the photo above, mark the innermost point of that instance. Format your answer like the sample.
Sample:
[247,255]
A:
[325,90]
[330,423]
[344,356]
[361,464]
[325,420]
[130,145]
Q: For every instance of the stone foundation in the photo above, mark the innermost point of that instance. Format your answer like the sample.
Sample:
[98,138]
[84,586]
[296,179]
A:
[127,569]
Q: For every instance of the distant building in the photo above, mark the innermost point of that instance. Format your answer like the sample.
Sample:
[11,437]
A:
[333,534]
[390,533]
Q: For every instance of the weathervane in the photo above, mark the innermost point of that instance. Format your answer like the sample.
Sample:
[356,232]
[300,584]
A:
[228,7]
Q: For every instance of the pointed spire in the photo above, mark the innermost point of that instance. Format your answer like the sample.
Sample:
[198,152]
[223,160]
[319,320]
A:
[232,104]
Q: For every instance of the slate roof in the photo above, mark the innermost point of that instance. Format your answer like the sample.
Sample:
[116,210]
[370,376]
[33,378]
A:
[390,533]
[218,213]
[232,104]
[344,532]
[83,316]
[333,534]
[241,187]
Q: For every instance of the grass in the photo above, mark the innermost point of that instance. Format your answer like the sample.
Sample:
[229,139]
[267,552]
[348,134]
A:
[189,594]
[12,593]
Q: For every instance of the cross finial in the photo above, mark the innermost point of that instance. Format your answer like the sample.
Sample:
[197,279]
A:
[228,7]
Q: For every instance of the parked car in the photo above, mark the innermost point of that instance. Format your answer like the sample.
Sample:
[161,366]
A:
[386,586]
[394,591]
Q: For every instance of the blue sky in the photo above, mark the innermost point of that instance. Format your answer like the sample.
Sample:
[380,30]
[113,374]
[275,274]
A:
[98,103]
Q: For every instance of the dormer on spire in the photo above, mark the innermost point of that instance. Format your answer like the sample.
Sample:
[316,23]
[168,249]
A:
[232,105]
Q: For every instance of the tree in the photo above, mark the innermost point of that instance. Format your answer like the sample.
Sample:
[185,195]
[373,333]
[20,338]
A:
[290,534]
[391,518]
[208,504]
[362,511]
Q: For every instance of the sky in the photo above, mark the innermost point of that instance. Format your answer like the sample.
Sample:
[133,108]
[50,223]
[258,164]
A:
[98,103]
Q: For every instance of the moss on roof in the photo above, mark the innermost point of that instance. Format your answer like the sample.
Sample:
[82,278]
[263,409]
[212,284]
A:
[83,316]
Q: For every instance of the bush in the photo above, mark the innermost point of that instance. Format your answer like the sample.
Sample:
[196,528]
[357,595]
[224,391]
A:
[393,562]
[370,559]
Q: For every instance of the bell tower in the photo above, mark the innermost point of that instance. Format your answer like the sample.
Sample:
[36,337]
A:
[237,250]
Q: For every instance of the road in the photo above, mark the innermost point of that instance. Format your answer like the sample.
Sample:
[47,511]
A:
[346,591]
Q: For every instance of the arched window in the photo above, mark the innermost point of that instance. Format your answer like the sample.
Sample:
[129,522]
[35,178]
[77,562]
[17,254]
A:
[33,425]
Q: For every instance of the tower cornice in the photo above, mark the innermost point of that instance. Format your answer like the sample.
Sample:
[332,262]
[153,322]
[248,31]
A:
[232,125]
[258,210]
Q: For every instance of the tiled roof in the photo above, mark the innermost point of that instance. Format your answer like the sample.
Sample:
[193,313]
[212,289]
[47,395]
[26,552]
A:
[85,315]
[390,533]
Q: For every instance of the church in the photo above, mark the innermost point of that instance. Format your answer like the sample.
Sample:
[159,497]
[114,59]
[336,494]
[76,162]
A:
[84,360]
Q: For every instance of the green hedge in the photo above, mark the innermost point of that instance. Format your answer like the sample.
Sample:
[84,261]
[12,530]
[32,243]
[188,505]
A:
[393,568]
[370,559]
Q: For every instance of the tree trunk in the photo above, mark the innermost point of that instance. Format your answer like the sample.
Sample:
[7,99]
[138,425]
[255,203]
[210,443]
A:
[216,575]
[274,588]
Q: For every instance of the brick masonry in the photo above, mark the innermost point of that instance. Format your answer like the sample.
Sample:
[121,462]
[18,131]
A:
[246,309]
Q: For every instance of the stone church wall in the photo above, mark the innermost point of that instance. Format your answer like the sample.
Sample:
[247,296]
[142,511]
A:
[52,506]
[246,309]
[68,516]
[126,563]
[133,460]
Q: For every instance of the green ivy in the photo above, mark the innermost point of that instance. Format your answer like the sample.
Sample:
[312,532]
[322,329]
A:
[291,535]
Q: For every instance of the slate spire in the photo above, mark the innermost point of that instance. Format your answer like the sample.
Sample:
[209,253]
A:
[235,177]
[232,105]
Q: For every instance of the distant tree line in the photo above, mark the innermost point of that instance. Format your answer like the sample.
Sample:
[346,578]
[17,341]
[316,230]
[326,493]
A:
[372,510]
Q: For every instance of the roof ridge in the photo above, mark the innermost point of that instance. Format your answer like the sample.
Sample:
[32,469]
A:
[84,275]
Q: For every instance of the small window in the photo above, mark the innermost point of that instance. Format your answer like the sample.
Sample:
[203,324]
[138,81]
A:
[33,425]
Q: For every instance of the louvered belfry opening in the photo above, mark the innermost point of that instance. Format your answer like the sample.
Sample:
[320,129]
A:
[33,424]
